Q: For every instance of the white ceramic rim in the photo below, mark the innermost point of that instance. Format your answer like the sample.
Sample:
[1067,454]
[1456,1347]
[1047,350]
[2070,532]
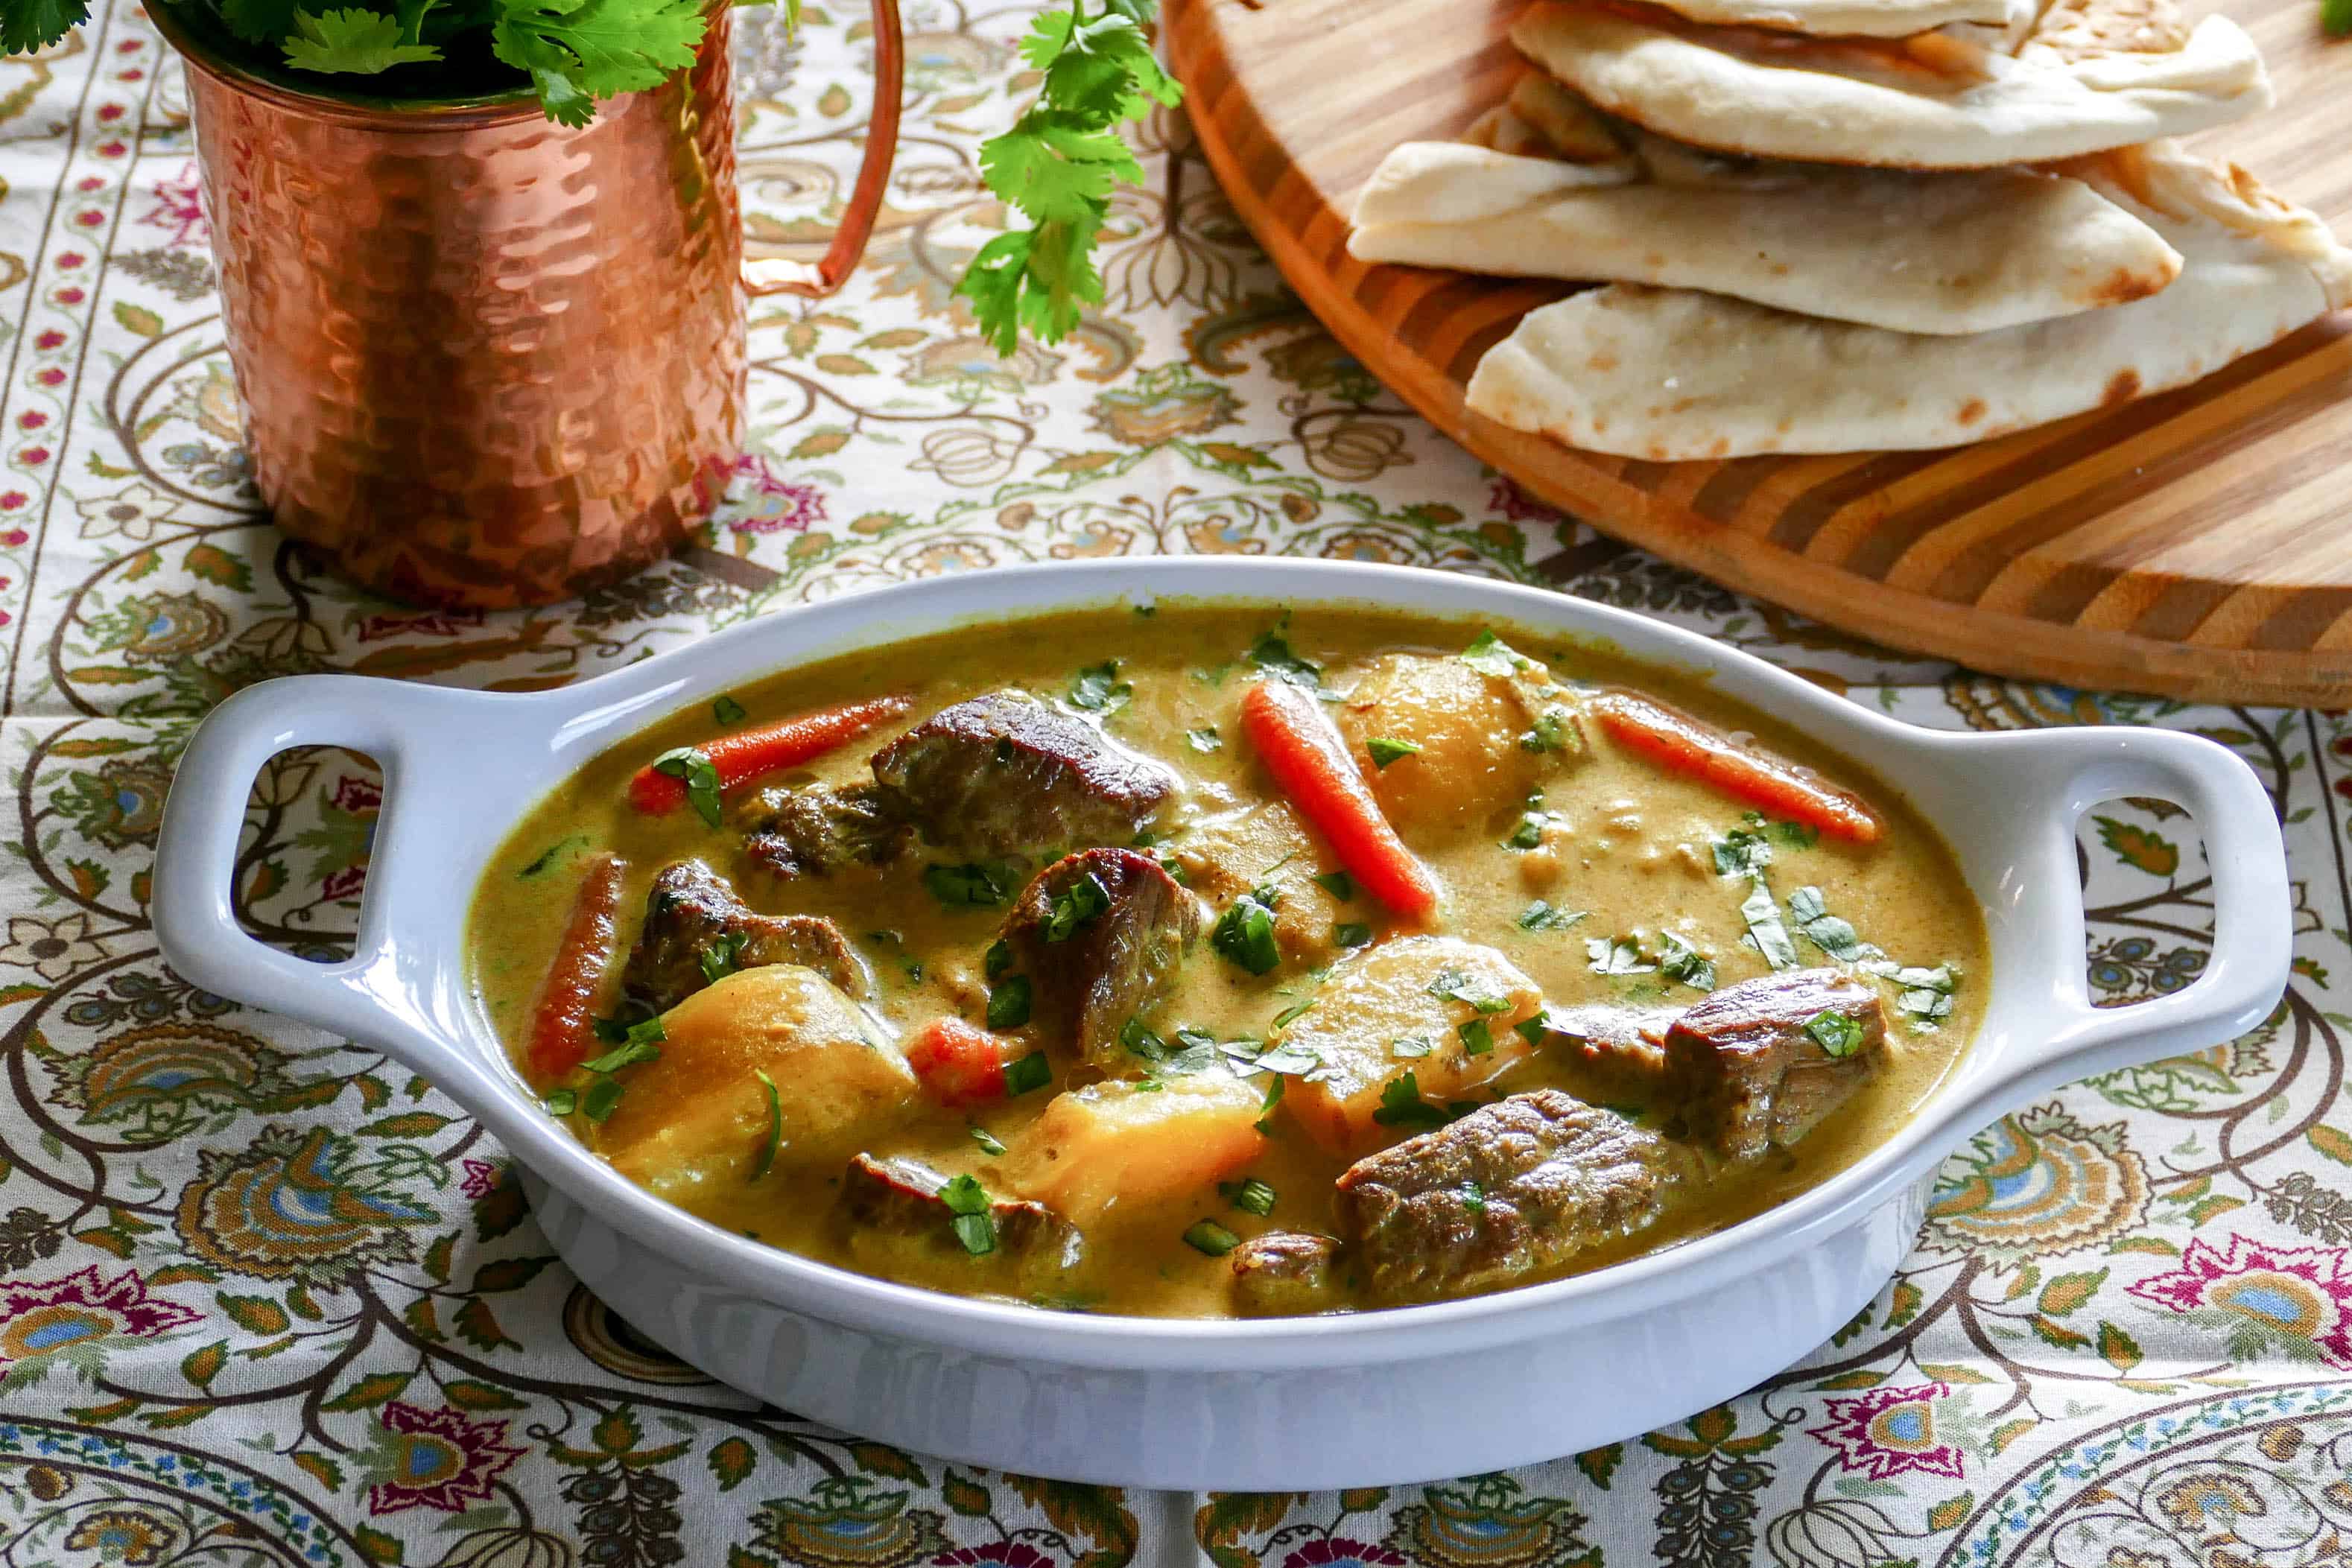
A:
[417,1011]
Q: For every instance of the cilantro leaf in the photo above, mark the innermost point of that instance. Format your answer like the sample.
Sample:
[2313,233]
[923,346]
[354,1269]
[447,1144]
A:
[350,42]
[29,24]
[263,21]
[581,50]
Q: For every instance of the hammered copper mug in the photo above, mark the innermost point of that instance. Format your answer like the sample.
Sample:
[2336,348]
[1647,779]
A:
[488,360]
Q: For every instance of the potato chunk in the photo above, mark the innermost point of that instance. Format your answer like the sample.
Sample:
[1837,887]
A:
[697,1116]
[1268,845]
[1467,725]
[1414,989]
[1119,1145]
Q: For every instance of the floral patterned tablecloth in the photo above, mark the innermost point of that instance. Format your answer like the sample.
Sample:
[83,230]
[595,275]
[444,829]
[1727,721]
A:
[266,1298]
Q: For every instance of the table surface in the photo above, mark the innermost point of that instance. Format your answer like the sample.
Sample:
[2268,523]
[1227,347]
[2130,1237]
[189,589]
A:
[264,1297]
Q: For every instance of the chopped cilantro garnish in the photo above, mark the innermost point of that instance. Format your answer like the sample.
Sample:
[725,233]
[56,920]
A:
[1351,933]
[989,1143]
[1477,1040]
[979,884]
[1293,1013]
[718,960]
[1285,1058]
[1249,1195]
[1009,1002]
[1458,986]
[1411,1045]
[1098,689]
[1402,1106]
[1337,884]
[1541,916]
[1271,652]
[1208,1236]
[549,855]
[967,1200]
[1928,993]
[1834,1032]
[1826,931]
[1273,1086]
[1245,933]
[1031,1071]
[1205,739]
[997,962]
[1764,928]
[1138,1038]
[561,1101]
[603,1098]
[727,711]
[776,1139]
[701,780]
[1533,1030]
[1386,749]
[1554,729]
[1616,956]
[1474,1197]
[1678,960]
[1075,905]
[629,1052]
[1490,655]
[1741,853]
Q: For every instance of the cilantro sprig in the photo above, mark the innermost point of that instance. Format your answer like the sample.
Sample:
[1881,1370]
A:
[1058,166]
[573,52]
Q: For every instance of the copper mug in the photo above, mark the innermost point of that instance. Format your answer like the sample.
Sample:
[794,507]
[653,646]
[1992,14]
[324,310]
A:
[488,360]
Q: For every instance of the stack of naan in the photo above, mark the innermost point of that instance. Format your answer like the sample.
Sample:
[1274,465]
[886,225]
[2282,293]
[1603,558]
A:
[1836,225]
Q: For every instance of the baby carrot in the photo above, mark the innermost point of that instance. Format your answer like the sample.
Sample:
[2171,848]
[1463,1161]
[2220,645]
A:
[562,1027]
[1681,744]
[743,756]
[1308,760]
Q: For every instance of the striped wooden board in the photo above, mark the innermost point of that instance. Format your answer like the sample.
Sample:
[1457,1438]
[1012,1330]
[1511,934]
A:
[2196,544]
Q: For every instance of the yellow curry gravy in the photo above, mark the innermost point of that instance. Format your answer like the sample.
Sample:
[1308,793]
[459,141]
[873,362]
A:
[1577,892]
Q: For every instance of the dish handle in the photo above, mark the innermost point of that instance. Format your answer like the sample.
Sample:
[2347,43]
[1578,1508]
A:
[399,988]
[2050,780]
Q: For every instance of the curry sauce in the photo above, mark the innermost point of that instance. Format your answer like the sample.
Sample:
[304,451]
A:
[1589,898]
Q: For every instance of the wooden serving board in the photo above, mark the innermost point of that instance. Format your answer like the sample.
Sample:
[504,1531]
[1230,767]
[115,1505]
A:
[2196,544]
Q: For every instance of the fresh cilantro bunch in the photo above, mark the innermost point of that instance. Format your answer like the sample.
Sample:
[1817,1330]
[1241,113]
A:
[1058,166]
[575,51]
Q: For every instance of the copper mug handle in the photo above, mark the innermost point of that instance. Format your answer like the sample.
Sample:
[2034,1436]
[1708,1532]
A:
[777,275]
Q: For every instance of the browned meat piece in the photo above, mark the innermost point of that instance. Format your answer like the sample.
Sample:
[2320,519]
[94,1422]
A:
[1285,1274]
[1618,1052]
[896,1202]
[1749,1068]
[692,910]
[1005,773]
[1504,1192]
[1100,935]
[814,829]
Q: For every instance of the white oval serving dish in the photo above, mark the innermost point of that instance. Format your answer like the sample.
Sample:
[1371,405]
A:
[1285,1404]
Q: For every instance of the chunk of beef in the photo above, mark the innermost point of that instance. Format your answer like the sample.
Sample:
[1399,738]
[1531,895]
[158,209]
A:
[1746,1072]
[814,829]
[1098,954]
[1005,773]
[896,1203]
[1504,1192]
[1617,1052]
[692,910]
[1285,1274]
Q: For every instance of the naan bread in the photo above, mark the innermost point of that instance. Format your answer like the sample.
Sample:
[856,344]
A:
[2076,86]
[1542,119]
[1850,18]
[1963,251]
[1671,374]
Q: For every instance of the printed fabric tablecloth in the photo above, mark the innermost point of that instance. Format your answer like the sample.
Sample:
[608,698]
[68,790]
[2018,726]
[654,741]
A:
[268,1298]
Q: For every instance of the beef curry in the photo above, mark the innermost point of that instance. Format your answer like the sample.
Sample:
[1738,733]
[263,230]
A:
[1203,960]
